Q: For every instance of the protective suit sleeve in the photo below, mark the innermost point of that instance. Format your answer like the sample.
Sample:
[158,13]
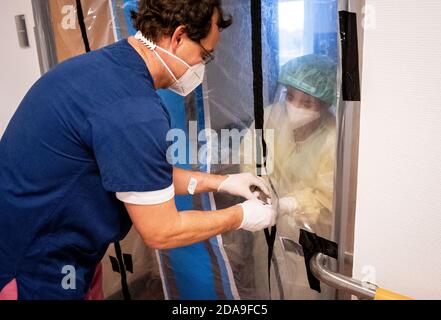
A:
[313,198]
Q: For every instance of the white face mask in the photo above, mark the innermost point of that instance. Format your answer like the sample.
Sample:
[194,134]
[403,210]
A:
[299,117]
[191,79]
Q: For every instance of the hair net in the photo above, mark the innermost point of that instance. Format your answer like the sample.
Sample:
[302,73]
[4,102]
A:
[312,74]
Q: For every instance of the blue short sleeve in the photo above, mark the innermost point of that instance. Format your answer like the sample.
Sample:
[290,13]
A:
[130,145]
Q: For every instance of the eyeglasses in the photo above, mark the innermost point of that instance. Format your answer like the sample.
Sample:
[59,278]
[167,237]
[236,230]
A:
[208,57]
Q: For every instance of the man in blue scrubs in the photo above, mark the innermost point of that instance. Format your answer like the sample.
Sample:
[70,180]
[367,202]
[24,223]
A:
[85,156]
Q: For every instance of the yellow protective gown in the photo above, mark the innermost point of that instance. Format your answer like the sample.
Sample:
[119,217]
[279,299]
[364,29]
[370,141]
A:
[301,166]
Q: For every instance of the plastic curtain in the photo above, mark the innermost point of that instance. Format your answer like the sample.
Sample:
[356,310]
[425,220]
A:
[302,153]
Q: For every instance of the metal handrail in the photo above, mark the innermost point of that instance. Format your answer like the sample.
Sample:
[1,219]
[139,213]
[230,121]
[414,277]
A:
[340,282]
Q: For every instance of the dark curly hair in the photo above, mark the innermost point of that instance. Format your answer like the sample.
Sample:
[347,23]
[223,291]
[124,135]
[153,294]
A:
[158,18]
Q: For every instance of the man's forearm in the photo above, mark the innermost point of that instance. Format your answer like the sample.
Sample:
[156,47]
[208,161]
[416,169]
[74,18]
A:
[163,227]
[205,182]
[197,226]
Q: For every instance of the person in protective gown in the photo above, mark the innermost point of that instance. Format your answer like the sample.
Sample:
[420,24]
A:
[301,137]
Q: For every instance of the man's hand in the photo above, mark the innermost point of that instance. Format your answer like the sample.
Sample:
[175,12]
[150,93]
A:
[241,184]
[257,215]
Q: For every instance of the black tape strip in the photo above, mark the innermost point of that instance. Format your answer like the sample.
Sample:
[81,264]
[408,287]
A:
[261,150]
[115,264]
[350,60]
[256,26]
[256,16]
[125,287]
[312,244]
[270,237]
[82,25]
[128,262]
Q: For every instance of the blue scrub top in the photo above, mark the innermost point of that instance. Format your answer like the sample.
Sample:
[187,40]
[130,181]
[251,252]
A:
[91,127]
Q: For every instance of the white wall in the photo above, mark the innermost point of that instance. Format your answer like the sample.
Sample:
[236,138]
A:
[398,222]
[19,67]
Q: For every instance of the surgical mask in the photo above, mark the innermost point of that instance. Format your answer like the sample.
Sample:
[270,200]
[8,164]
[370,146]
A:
[299,117]
[191,79]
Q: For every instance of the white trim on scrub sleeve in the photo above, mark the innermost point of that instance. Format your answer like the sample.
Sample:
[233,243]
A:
[147,198]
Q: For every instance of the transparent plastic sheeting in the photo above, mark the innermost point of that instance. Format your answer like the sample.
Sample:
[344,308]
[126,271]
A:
[300,58]
[301,142]
[142,272]
[105,20]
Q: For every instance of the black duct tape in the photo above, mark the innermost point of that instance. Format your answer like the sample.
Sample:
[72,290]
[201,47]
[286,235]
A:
[120,259]
[350,60]
[256,26]
[312,244]
[115,264]
[128,262]
[82,24]
[257,56]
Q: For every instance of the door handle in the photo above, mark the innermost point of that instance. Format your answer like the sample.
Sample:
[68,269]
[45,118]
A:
[355,287]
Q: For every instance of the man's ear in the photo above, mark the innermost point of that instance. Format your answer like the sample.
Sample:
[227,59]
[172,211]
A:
[177,38]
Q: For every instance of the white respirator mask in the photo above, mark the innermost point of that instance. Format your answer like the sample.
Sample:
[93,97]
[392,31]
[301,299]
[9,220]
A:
[191,79]
[299,117]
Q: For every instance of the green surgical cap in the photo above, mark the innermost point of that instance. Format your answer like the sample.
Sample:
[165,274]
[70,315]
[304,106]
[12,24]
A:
[312,74]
